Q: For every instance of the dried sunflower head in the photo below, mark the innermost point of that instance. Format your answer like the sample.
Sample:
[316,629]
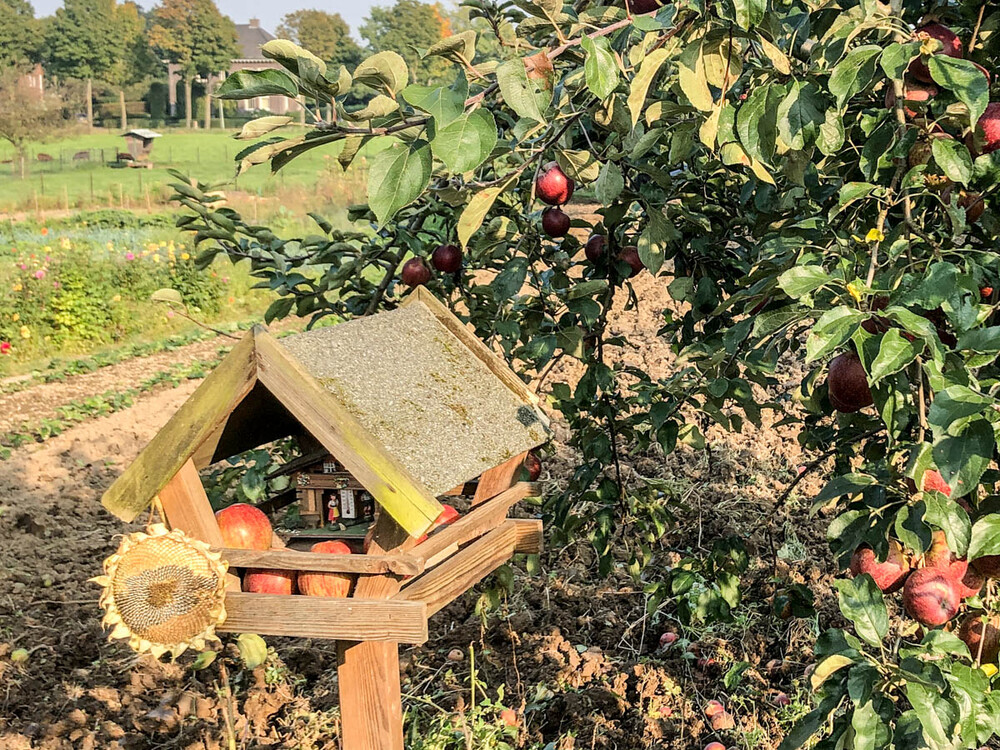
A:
[163,591]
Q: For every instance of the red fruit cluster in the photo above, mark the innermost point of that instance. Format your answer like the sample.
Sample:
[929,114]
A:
[951,45]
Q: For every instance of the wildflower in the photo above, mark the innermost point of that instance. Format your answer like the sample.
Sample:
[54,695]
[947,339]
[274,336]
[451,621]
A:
[185,256]
[45,231]
[40,273]
[156,258]
[15,317]
[129,256]
[17,287]
[116,298]
[4,347]
[225,279]
[56,285]
[170,313]
[25,332]
[111,246]
[64,243]
[23,266]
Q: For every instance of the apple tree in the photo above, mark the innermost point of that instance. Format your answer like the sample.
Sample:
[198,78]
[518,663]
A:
[816,185]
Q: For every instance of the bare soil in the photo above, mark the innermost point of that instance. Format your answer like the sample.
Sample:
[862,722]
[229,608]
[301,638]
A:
[577,654]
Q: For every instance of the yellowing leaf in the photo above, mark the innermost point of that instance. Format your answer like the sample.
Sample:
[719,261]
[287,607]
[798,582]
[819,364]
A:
[473,215]
[709,131]
[642,81]
[693,77]
[874,235]
[854,289]
[826,668]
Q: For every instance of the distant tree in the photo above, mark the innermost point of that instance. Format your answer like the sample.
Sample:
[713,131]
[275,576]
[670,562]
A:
[88,39]
[409,27]
[19,42]
[137,61]
[196,36]
[26,114]
[324,34]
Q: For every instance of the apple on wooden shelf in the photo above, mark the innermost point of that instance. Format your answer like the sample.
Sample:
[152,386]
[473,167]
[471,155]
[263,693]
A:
[313,583]
[244,526]
[447,516]
[269,581]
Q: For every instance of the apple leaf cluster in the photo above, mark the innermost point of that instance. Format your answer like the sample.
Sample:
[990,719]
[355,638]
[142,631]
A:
[816,186]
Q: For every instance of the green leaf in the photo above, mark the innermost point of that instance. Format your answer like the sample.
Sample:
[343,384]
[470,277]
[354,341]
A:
[965,80]
[938,716]
[599,67]
[962,459]
[947,515]
[643,80]
[653,241]
[845,484]
[610,184]
[379,105]
[510,280]
[954,403]
[831,133]
[262,126]
[896,58]
[523,95]
[253,649]
[467,142]
[460,48]
[800,115]
[247,84]
[397,176]
[203,660]
[799,281]
[445,104]
[385,72]
[853,74]
[832,329]
[982,340]
[861,602]
[692,77]
[293,57]
[870,732]
[778,58]
[749,13]
[757,122]
[474,213]
[894,353]
[985,539]
[953,158]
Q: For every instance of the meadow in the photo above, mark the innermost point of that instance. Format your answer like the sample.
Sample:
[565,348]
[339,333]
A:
[66,183]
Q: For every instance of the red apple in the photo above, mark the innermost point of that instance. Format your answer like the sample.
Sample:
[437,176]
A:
[971,631]
[989,127]
[269,581]
[555,222]
[447,258]
[533,465]
[244,526]
[509,717]
[630,255]
[447,516]
[971,583]
[930,597]
[913,93]
[643,6]
[989,565]
[313,583]
[415,272]
[782,699]
[667,639]
[986,292]
[951,45]
[594,249]
[974,205]
[714,707]
[890,575]
[848,384]
[932,481]
[715,746]
[553,186]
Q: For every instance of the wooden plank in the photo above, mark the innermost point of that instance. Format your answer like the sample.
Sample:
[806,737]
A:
[439,587]
[399,493]
[475,523]
[371,708]
[285,559]
[494,481]
[464,334]
[186,506]
[325,617]
[197,419]
[530,535]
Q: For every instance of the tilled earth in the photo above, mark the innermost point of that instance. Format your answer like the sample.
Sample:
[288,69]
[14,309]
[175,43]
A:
[577,654]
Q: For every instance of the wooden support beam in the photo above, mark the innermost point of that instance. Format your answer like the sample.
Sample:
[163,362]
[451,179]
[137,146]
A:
[375,620]
[463,570]
[200,417]
[473,524]
[371,707]
[285,559]
[186,506]
[530,535]
[494,481]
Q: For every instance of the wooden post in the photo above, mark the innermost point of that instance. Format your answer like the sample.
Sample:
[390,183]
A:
[494,481]
[371,708]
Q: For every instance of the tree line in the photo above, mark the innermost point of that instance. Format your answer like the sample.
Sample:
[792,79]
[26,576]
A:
[120,47]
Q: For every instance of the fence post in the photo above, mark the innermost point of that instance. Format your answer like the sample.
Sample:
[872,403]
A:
[92,196]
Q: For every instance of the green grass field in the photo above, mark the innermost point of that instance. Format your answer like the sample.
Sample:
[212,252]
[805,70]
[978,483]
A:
[65,183]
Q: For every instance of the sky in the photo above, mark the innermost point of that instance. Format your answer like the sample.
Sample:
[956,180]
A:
[269,12]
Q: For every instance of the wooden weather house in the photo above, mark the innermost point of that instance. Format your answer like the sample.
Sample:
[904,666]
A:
[406,406]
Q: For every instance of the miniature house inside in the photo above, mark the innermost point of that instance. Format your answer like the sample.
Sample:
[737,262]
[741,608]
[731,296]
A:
[393,412]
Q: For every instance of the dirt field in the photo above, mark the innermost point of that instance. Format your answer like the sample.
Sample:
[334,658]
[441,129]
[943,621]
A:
[577,655]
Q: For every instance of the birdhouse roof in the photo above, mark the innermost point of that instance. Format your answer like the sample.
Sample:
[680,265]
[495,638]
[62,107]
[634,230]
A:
[143,133]
[409,400]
